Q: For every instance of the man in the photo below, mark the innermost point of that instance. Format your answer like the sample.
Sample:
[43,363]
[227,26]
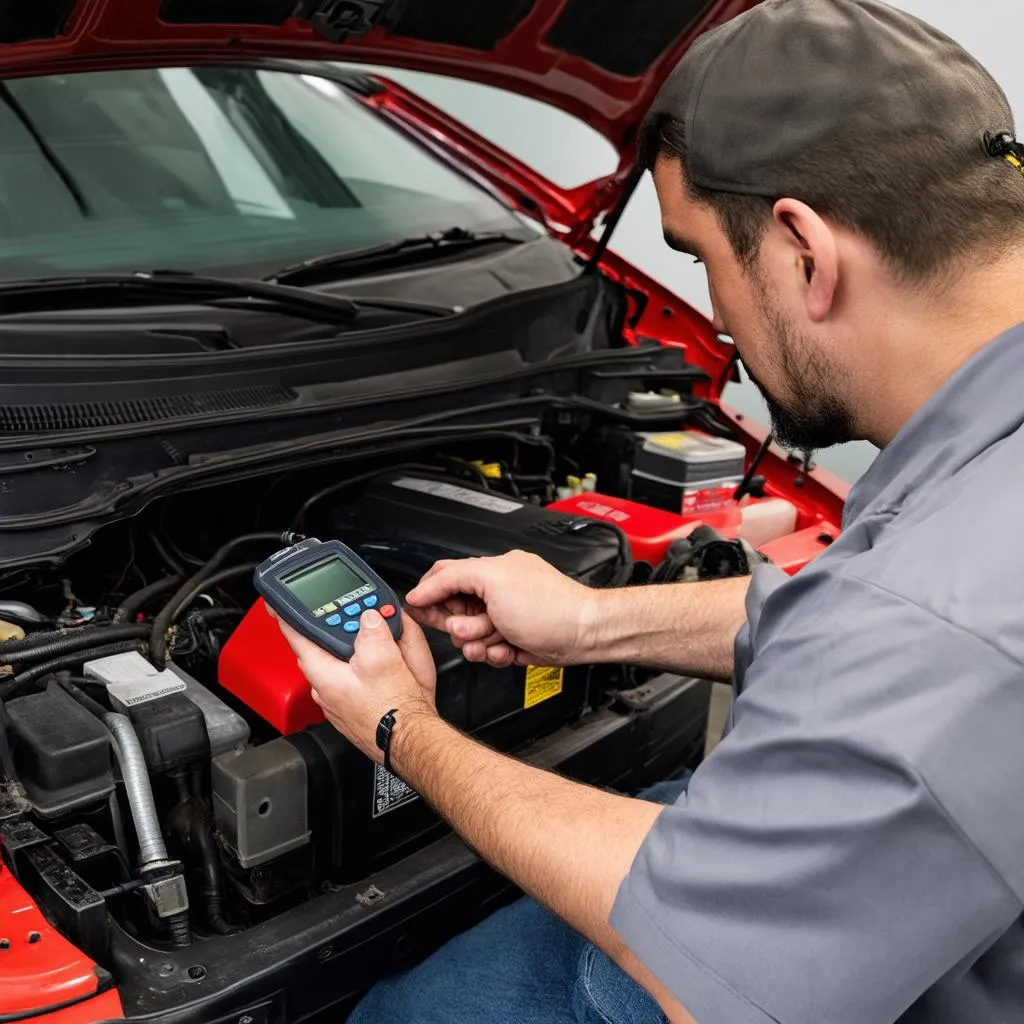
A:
[853,851]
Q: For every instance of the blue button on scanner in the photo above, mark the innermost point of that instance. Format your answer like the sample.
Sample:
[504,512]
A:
[370,602]
[333,620]
[352,609]
[352,626]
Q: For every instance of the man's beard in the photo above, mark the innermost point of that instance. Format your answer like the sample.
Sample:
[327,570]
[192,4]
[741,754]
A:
[813,415]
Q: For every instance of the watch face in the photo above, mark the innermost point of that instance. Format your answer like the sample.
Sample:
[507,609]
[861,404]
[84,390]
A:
[384,728]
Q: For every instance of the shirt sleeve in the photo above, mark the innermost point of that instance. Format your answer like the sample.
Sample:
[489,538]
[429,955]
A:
[814,871]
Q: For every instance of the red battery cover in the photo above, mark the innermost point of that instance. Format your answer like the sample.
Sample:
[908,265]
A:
[39,968]
[261,670]
[649,530]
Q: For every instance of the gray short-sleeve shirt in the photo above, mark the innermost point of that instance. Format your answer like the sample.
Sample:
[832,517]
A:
[853,851]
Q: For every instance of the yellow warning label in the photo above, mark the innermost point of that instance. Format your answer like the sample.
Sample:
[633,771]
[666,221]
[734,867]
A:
[671,440]
[542,684]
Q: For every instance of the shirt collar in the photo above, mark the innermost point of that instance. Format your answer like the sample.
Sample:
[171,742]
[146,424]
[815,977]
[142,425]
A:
[981,403]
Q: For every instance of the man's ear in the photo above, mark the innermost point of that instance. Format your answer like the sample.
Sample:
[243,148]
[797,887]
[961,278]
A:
[812,245]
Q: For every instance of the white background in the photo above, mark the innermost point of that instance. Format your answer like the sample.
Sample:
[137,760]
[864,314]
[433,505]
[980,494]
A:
[569,152]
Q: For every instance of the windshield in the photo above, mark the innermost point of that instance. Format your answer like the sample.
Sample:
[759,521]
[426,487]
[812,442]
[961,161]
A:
[210,168]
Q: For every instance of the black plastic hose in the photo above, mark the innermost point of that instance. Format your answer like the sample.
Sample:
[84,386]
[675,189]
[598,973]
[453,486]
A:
[157,650]
[213,880]
[191,821]
[6,754]
[181,930]
[134,603]
[54,645]
[169,560]
[92,706]
[195,585]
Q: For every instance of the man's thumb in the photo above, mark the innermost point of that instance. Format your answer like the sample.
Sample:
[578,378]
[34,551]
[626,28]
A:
[374,639]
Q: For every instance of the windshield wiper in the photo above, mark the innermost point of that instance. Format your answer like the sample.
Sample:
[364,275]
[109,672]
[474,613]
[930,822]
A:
[48,153]
[421,247]
[182,286]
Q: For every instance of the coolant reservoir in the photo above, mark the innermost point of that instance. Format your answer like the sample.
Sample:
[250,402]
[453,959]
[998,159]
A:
[767,520]
[9,631]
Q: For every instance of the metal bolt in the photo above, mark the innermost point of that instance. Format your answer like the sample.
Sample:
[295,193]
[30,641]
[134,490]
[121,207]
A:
[5,943]
[197,972]
[34,937]
[371,896]
[165,969]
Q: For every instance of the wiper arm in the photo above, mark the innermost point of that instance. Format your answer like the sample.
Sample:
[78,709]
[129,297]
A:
[186,287]
[425,246]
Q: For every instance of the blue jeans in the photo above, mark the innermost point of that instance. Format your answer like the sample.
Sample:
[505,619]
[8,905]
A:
[520,966]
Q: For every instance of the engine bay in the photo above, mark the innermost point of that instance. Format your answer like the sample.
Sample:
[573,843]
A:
[173,799]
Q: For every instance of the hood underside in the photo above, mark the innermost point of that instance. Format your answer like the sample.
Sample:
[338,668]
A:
[600,60]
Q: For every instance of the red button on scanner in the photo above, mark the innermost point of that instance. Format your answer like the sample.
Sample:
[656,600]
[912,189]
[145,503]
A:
[389,611]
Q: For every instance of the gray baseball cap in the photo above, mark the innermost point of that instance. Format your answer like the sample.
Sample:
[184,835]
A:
[769,87]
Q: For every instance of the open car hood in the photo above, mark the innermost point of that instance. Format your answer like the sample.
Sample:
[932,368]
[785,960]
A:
[599,60]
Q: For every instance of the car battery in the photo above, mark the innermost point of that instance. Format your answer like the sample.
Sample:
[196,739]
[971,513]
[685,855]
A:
[363,817]
[686,471]
[404,522]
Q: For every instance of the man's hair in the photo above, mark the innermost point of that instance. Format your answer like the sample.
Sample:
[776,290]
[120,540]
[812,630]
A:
[922,206]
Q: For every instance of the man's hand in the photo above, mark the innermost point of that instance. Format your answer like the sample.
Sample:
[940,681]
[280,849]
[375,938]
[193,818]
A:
[381,675]
[514,609]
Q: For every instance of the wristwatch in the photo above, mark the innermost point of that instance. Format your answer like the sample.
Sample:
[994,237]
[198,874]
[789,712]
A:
[384,729]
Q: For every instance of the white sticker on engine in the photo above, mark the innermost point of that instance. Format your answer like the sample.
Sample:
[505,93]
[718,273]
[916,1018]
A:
[463,495]
[144,690]
[132,680]
[389,791]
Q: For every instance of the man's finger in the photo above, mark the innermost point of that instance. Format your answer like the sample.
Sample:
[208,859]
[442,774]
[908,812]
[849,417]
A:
[475,651]
[458,578]
[500,656]
[433,616]
[442,563]
[464,628]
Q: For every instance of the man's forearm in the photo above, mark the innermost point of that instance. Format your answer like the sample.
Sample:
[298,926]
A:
[567,845]
[682,627]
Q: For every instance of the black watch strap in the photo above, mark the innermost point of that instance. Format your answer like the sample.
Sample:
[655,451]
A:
[384,729]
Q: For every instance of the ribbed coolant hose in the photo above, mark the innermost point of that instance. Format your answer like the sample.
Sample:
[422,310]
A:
[152,848]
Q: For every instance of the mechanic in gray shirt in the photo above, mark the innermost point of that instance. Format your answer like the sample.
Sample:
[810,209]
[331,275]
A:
[853,851]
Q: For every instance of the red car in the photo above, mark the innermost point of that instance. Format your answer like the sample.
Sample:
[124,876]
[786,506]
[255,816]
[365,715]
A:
[247,295]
